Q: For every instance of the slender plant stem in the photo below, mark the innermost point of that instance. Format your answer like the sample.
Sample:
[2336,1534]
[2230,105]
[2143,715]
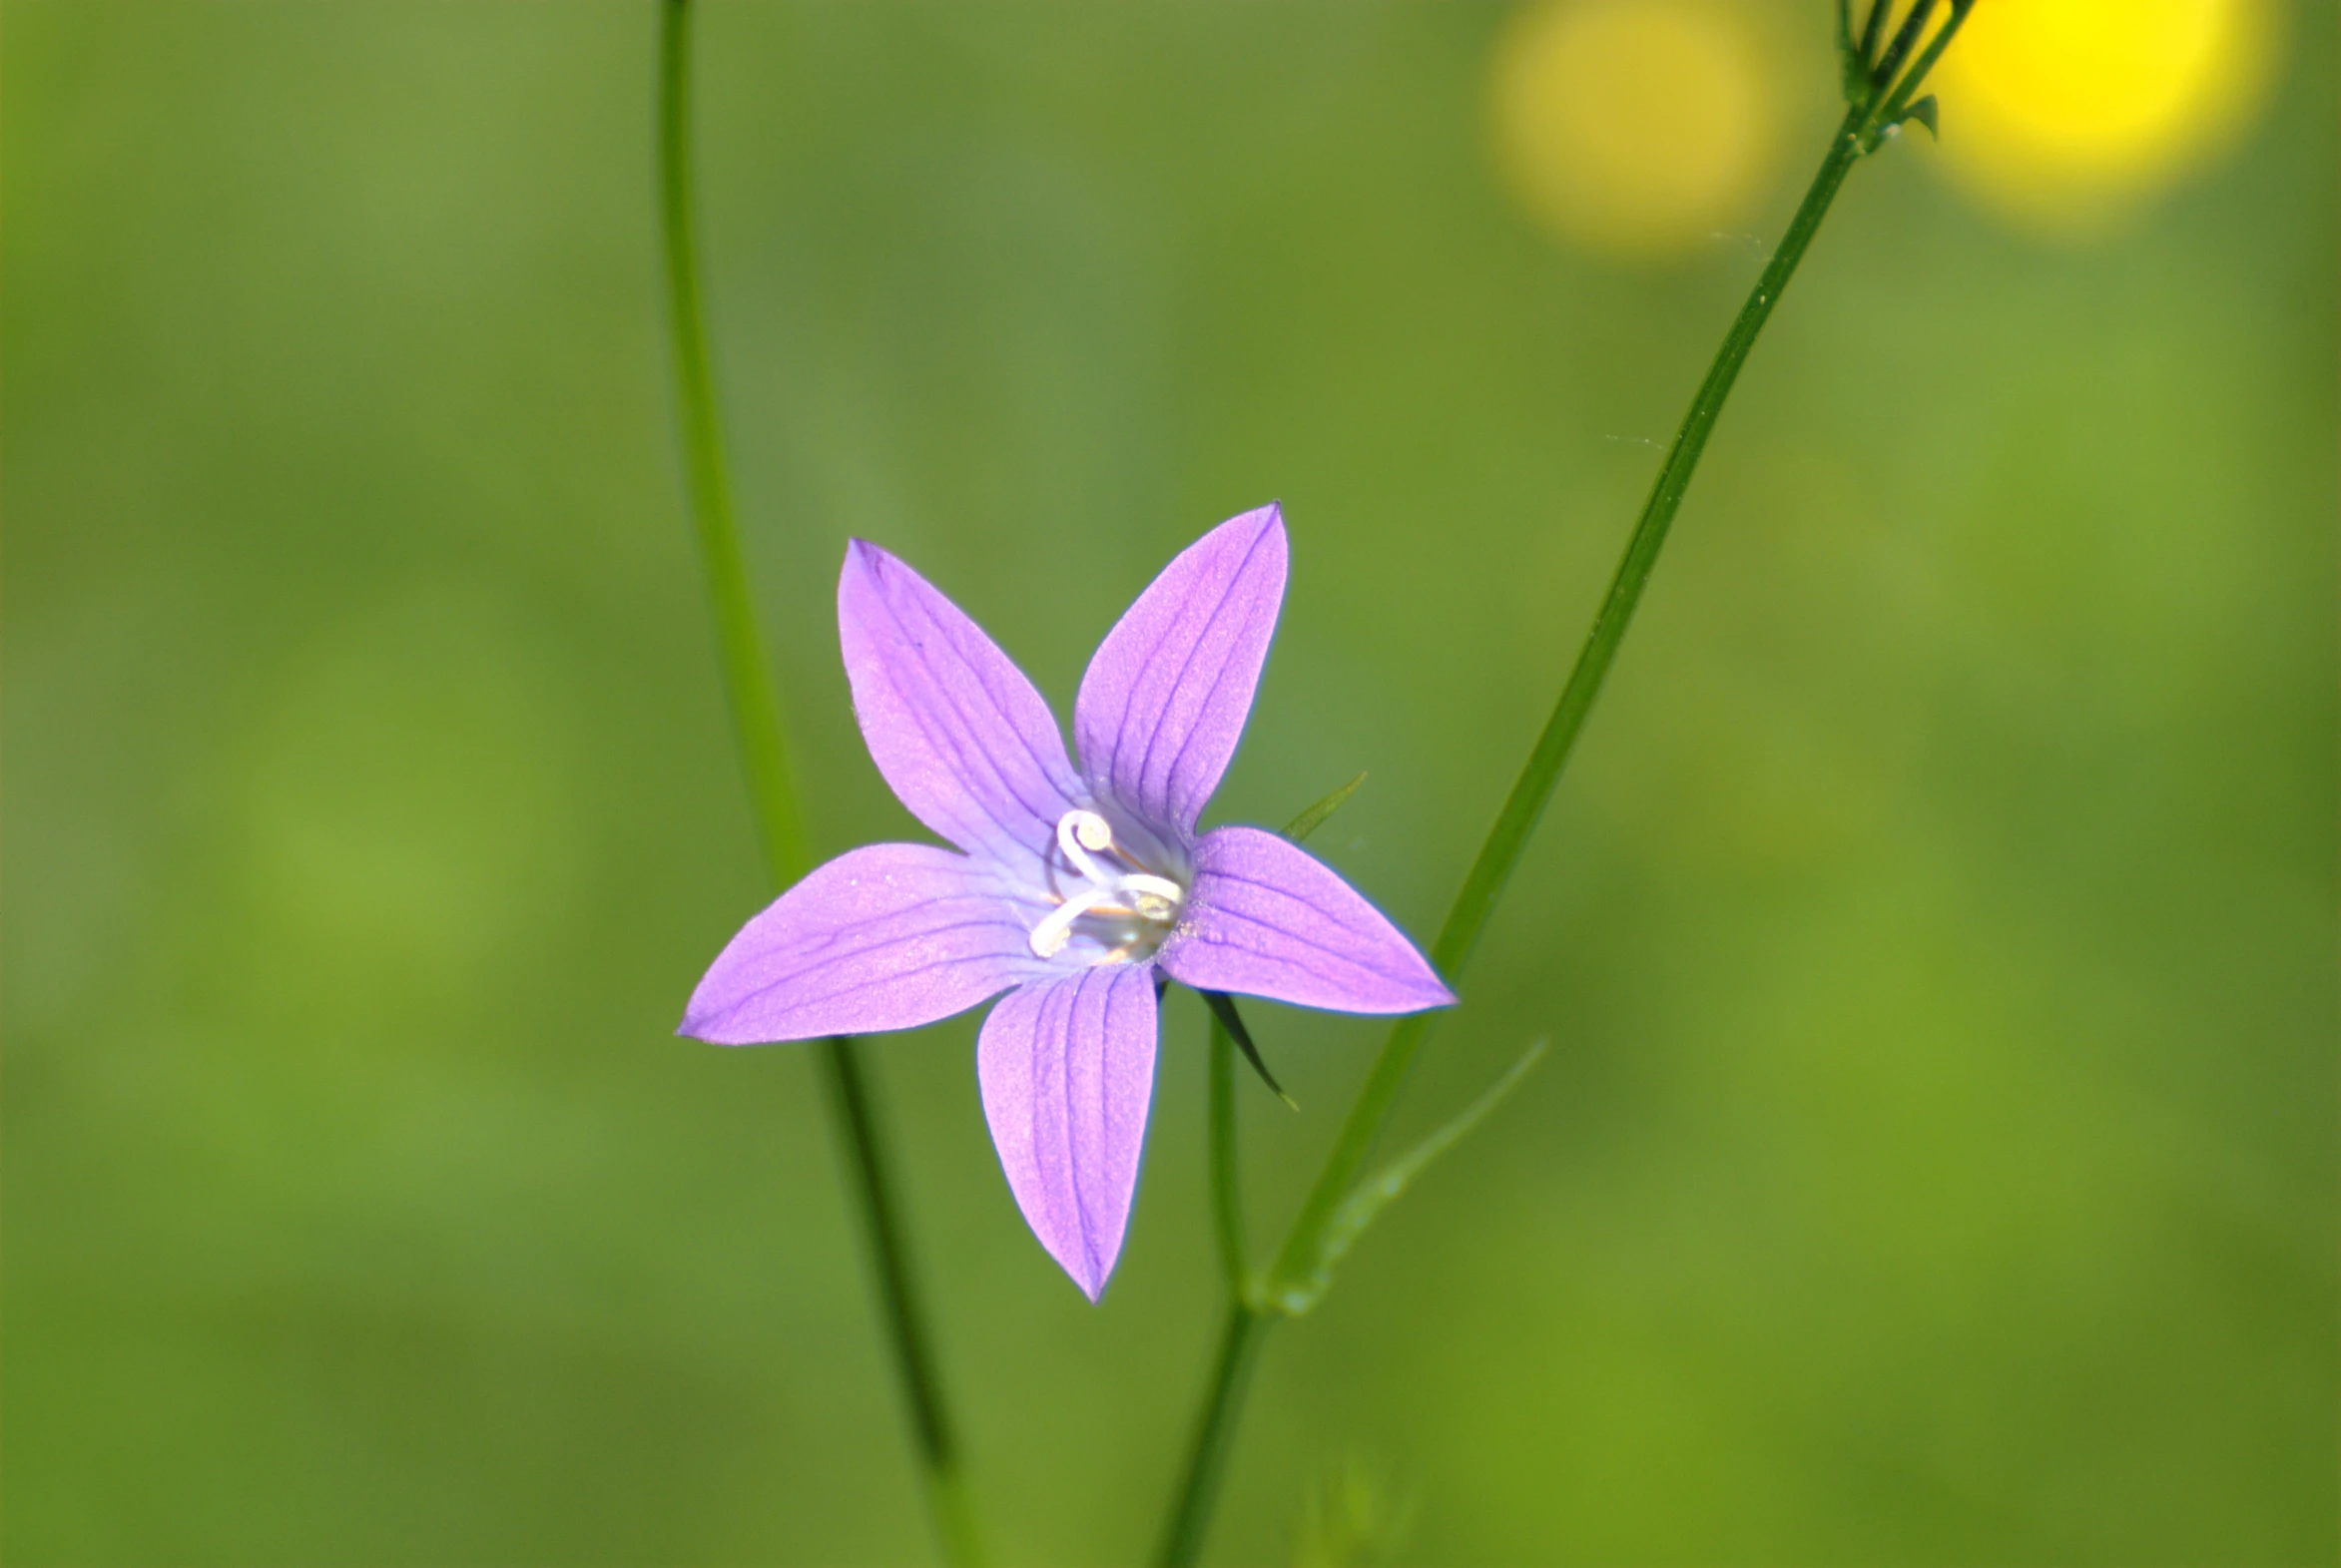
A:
[1906,38]
[763,759]
[1227,1198]
[1198,1485]
[1509,838]
[1899,101]
[756,709]
[1517,823]
[863,1146]
[1247,1321]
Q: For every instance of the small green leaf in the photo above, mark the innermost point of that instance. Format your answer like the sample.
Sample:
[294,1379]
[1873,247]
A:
[1367,1201]
[1351,1517]
[1223,1008]
[1924,113]
[1314,817]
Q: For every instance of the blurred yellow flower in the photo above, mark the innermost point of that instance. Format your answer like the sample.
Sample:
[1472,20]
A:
[1636,128]
[2065,114]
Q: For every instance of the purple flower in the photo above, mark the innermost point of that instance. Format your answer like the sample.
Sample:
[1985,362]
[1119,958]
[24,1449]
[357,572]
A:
[1074,890]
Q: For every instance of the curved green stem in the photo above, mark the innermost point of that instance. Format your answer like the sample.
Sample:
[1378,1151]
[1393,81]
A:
[1215,1427]
[763,759]
[1532,791]
[1246,1322]
[1227,1199]
[1517,823]
[754,704]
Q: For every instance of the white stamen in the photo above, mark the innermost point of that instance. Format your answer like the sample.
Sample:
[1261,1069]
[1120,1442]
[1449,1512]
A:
[1113,892]
[1051,935]
[1078,830]
[1161,892]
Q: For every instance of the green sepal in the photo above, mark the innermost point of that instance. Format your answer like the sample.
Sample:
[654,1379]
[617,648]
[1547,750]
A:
[1853,71]
[1223,1008]
[1365,1204]
[1314,817]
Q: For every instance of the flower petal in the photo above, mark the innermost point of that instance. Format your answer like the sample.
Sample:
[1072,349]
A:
[1166,694]
[1067,1071]
[1267,918]
[890,936]
[961,737]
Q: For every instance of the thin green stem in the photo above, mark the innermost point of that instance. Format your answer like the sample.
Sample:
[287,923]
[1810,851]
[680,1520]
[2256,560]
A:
[1872,28]
[756,709]
[1517,823]
[1514,824]
[1906,38]
[763,759]
[862,1140]
[1231,1369]
[1896,105]
[1227,1199]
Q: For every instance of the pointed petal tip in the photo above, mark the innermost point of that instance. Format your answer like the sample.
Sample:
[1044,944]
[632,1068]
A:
[706,1025]
[861,558]
[1267,918]
[698,1023]
[1267,519]
[1435,987]
[1065,1067]
[1088,1271]
[867,564]
[1429,992]
[1163,702]
[959,733]
[717,1024]
[884,937]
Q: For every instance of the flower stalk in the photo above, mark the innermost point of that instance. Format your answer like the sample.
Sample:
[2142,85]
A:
[763,759]
[1241,1328]
[1227,1196]
[1879,93]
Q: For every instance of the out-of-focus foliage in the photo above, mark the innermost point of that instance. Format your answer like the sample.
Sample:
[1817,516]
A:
[1638,128]
[1935,1157]
[2077,110]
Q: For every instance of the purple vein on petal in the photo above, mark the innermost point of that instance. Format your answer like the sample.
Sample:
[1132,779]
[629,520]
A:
[939,723]
[958,744]
[1066,1067]
[1304,907]
[1070,1063]
[1240,587]
[887,936]
[1186,657]
[1268,918]
[807,995]
[1049,810]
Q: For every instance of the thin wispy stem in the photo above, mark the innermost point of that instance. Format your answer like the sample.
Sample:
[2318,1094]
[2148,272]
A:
[763,760]
[1876,94]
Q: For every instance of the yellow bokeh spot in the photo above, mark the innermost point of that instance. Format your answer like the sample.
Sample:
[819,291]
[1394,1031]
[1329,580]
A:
[2065,114]
[1636,128]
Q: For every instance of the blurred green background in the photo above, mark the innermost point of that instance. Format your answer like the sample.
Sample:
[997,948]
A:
[1937,934]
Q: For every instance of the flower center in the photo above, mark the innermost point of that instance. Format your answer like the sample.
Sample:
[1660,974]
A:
[1126,901]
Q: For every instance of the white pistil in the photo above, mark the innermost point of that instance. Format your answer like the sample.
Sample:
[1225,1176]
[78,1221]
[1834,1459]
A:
[1051,934]
[1128,894]
[1079,830]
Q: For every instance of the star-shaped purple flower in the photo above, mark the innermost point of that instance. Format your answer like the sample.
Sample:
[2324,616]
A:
[1074,888]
